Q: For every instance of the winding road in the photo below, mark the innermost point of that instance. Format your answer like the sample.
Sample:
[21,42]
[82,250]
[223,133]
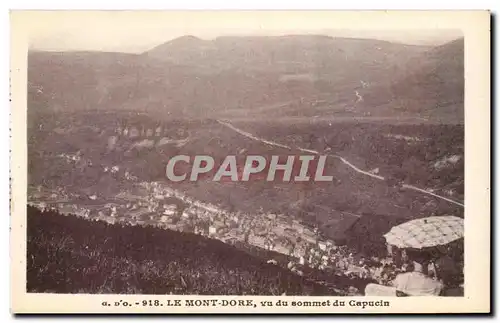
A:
[342,159]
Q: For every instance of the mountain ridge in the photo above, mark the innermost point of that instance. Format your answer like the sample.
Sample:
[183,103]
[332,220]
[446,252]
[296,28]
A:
[191,76]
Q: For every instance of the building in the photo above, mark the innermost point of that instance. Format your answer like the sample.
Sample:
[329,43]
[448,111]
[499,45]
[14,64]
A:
[233,224]
[322,245]
[85,213]
[188,214]
[169,212]
[134,132]
[158,131]
[202,230]
[159,196]
[217,227]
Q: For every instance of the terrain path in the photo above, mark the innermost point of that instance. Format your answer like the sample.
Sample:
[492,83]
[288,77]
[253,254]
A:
[342,159]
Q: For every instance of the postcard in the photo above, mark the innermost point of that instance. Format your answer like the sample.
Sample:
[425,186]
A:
[250,162]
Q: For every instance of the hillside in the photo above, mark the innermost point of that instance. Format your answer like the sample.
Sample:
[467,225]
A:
[322,56]
[67,254]
[75,81]
[432,84]
[204,78]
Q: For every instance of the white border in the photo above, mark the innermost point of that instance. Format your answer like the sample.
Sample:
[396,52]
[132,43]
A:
[147,4]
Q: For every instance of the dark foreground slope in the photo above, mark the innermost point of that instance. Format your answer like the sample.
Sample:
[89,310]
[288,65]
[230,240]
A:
[67,254]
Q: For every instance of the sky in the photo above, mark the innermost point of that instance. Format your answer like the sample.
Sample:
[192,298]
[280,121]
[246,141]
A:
[127,31]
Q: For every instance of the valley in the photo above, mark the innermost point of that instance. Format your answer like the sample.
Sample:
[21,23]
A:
[388,118]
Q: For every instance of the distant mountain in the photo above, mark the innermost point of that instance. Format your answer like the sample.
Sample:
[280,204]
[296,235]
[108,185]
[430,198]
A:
[90,80]
[431,84]
[69,81]
[189,76]
[182,49]
[322,56]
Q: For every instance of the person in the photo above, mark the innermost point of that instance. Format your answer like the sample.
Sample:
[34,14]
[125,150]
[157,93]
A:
[413,282]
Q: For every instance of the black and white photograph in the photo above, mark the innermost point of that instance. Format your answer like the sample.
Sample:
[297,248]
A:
[166,158]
